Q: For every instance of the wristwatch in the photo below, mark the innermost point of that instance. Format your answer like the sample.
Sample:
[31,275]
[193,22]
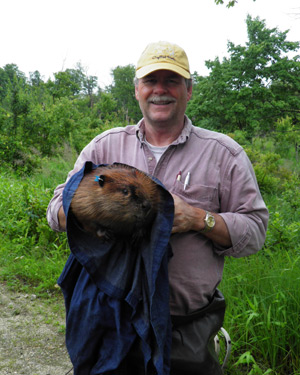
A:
[209,222]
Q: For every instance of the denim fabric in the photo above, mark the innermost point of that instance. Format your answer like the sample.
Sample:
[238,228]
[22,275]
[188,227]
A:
[114,294]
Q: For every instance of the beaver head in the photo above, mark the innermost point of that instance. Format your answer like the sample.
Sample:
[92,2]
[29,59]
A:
[116,200]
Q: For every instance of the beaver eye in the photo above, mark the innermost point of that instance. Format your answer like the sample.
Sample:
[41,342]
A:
[125,191]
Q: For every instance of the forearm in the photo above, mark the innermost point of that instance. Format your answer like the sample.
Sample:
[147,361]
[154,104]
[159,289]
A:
[62,219]
[55,205]
[219,234]
[189,218]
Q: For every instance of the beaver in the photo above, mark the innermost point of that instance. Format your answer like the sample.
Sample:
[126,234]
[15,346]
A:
[116,201]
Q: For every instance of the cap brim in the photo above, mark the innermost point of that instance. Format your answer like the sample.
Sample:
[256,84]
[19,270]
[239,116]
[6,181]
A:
[144,71]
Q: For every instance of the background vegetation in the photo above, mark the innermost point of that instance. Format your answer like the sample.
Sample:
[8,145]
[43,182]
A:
[253,95]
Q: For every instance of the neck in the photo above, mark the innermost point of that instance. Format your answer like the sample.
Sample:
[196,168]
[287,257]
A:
[162,135]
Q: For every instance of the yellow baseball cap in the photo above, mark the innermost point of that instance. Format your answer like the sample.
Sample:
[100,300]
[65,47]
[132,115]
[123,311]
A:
[163,56]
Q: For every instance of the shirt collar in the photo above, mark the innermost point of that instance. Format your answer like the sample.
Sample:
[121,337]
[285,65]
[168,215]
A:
[182,138]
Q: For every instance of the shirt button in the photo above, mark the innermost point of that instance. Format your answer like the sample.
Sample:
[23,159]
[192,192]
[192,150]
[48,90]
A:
[150,158]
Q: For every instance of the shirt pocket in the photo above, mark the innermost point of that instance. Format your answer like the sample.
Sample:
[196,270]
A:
[205,197]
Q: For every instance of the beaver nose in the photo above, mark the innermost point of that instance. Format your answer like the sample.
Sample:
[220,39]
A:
[146,206]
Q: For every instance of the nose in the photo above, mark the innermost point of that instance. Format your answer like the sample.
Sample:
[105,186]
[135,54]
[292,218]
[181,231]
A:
[160,88]
[146,205]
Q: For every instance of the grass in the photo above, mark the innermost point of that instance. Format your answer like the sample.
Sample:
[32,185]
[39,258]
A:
[263,311]
[31,255]
[263,295]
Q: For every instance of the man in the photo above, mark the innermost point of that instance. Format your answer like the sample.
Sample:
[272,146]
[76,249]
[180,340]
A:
[219,210]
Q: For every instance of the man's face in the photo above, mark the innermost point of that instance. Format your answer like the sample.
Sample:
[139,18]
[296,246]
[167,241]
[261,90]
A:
[163,96]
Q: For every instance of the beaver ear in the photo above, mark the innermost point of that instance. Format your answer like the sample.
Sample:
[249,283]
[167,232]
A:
[101,180]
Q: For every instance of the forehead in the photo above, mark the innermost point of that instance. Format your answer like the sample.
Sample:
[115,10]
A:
[164,74]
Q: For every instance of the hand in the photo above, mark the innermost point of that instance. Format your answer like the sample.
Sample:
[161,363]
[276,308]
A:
[186,217]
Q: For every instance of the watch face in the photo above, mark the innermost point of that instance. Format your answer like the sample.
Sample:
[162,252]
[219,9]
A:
[210,221]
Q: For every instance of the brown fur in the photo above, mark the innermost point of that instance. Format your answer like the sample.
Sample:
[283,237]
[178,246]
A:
[122,203]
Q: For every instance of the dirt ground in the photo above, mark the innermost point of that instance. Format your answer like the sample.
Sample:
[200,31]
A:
[32,339]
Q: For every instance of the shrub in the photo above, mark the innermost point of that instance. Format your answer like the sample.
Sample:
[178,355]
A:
[30,251]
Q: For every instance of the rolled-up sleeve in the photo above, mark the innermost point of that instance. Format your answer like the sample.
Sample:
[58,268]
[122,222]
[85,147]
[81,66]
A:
[243,209]
[53,208]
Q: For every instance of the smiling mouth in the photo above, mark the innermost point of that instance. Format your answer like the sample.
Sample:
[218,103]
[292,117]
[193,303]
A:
[161,100]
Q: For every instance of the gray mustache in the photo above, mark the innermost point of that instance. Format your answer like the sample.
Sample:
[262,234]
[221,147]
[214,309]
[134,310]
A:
[161,99]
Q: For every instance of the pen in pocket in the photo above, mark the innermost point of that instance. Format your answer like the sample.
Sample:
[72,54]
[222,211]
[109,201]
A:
[187,180]
[178,176]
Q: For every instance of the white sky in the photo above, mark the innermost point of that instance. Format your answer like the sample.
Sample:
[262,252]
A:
[50,36]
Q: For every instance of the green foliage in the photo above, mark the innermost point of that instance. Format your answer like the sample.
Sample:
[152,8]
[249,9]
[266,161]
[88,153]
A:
[71,82]
[9,74]
[253,88]
[230,3]
[266,169]
[284,227]
[16,155]
[123,92]
[107,108]
[286,134]
[30,252]
[37,118]
[263,310]
[262,291]
[274,157]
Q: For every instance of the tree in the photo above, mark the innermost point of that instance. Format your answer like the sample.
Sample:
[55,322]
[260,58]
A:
[254,87]
[123,92]
[72,83]
[8,75]
[35,78]
[17,104]
[89,85]
[106,108]
[66,84]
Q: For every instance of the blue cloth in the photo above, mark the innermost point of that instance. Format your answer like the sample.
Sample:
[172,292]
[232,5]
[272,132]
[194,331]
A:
[114,294]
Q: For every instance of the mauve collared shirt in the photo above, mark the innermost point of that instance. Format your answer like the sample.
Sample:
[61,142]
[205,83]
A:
[222,180]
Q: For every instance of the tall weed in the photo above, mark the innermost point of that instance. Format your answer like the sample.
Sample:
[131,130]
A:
[263,310]
[30,252]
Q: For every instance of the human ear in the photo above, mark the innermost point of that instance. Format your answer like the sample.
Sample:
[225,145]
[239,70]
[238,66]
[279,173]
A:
[136,92]
[189,92]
